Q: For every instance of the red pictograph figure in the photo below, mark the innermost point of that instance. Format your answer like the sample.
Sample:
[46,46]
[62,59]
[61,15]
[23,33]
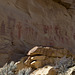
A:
[73,32]
[74,36]
[58,33]
[49,41]
[19,29]
[2,28]
[71,28]
[50,28]
[46,29]
[30,30]
[26,21]
[11,27]
[62,39]
[66,37]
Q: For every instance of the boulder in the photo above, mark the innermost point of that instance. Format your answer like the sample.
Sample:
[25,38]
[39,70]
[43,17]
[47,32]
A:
[46,70]
[70,71]
[40,56]
[52,72]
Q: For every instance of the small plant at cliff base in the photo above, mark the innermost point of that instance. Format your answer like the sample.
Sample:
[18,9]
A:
[64,64]
[25,71]
[8,69]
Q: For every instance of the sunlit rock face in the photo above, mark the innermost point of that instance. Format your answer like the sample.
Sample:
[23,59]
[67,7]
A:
[27,23]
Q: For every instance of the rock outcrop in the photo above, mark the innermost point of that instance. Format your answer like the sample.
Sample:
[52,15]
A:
[41,56]
[48,61]
[47,70]
[40,64]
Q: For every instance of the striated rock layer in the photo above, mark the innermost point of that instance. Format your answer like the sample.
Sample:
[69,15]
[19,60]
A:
[26,23]
[47,61]
[38,57]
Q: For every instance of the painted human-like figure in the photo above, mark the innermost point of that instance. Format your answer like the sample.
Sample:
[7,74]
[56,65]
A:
[2,28]
[11,27]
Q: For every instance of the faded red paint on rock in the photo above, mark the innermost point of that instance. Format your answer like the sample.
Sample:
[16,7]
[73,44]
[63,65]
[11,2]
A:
[19,26]
[11,27]
[38,23]
[2,28]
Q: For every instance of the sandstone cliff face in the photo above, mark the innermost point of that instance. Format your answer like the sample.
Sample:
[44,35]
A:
[26,23]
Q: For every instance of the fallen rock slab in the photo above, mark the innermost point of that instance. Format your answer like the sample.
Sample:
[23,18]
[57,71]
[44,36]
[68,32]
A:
[40,56]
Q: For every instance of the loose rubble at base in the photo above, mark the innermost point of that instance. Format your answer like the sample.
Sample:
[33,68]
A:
[42,61]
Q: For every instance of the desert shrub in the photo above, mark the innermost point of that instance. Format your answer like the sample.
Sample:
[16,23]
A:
[8,69]
[25,71]
[64,64]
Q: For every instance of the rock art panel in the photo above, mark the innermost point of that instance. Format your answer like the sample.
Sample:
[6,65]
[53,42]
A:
[33,22]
